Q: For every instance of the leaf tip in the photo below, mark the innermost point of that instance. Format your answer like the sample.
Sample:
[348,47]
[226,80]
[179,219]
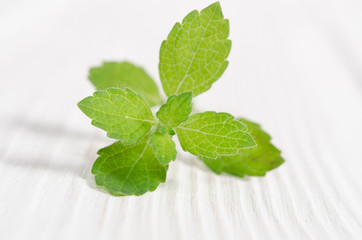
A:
[216,6]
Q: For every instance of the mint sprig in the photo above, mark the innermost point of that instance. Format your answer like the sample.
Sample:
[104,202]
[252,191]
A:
[191,59]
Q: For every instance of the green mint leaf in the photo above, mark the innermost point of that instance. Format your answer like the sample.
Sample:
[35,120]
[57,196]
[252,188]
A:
[125,74]
[128,169]
[194,54]
[165,129]
[124,114]
[253,162]
[176,110]
[212,135]
[163,147]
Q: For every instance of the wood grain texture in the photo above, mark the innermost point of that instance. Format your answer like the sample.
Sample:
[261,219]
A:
[294,67]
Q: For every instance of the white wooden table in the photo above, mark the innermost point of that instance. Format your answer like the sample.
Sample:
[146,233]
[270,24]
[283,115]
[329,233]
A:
[295,67]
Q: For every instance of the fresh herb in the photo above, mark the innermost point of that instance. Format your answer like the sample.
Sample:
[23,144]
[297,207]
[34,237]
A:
[191,59]
[124,114]
[125,74]
[253,162]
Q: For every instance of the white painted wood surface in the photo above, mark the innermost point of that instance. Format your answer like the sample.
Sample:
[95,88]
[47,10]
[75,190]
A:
[295,67]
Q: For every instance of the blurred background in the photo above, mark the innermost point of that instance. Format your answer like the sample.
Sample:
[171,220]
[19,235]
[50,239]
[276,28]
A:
[295,67]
